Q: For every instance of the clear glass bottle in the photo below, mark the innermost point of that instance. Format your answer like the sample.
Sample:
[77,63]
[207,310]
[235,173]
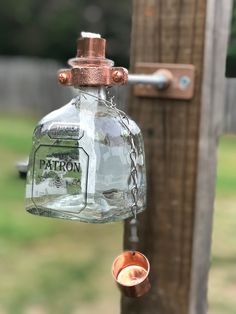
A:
[80,165]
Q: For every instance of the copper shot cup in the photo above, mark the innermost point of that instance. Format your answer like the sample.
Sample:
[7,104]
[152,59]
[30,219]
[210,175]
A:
[130,271]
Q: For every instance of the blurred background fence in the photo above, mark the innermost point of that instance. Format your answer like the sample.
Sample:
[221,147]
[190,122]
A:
[230,106]
[30,86]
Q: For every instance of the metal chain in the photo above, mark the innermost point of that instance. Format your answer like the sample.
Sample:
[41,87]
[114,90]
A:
[133,239]
[124,121]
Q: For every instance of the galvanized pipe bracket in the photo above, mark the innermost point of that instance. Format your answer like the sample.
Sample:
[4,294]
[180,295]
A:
[175,81]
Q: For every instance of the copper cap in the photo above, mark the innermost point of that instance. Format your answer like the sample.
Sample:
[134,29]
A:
[91,47]
[130,271]
[90,66]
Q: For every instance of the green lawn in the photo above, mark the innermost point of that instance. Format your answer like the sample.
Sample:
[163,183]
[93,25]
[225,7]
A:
[222,284]
[50,266]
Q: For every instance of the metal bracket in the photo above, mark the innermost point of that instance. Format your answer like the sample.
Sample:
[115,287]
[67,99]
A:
[162,80]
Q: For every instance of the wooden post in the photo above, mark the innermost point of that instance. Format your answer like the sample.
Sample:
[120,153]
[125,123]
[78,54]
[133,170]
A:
[180,141]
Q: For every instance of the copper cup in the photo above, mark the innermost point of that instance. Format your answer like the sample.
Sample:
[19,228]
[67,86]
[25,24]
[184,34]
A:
[130,271]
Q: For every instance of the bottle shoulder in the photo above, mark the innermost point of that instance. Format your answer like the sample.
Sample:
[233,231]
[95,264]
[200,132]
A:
[101,120]
[58,116]
[66,112]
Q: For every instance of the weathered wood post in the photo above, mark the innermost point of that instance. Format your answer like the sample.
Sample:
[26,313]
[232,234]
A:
[181,142]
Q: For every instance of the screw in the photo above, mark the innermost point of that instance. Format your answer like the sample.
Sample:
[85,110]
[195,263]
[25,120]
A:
[117,76]
[184,81]
[62,78]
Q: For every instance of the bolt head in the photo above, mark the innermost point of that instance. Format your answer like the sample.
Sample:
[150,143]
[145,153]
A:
[62,78]
[117,76]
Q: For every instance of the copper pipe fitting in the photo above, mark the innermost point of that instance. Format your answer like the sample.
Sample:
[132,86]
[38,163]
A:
[130,271]
[91,47]
[90,67]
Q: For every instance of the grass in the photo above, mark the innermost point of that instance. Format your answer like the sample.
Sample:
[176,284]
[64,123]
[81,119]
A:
[55,266]
[226,178]
[222,281]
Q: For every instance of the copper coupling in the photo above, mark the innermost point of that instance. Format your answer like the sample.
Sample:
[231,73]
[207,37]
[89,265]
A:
[90,66]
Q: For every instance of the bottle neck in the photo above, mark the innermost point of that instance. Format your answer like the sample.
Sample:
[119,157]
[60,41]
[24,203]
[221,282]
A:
[100,92]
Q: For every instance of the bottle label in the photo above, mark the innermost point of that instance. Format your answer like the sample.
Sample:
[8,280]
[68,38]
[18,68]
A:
[65,131]
[59,165]
[60,171]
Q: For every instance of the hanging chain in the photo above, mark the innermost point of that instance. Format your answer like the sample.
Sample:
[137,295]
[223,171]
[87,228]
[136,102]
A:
[124,121]
[133,239]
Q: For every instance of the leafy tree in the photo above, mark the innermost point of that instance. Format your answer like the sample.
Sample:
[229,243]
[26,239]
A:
[49,28]
[231,55]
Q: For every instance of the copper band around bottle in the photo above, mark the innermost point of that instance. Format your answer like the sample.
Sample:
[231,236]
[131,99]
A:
[93,76]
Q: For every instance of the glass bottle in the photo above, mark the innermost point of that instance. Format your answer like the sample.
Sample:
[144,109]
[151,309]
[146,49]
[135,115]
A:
[87,157]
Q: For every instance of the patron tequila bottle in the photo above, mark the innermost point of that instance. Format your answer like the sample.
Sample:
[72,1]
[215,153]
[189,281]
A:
[87,160]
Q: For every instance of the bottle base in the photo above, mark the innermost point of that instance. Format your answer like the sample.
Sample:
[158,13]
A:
[98,208]
[116,215]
